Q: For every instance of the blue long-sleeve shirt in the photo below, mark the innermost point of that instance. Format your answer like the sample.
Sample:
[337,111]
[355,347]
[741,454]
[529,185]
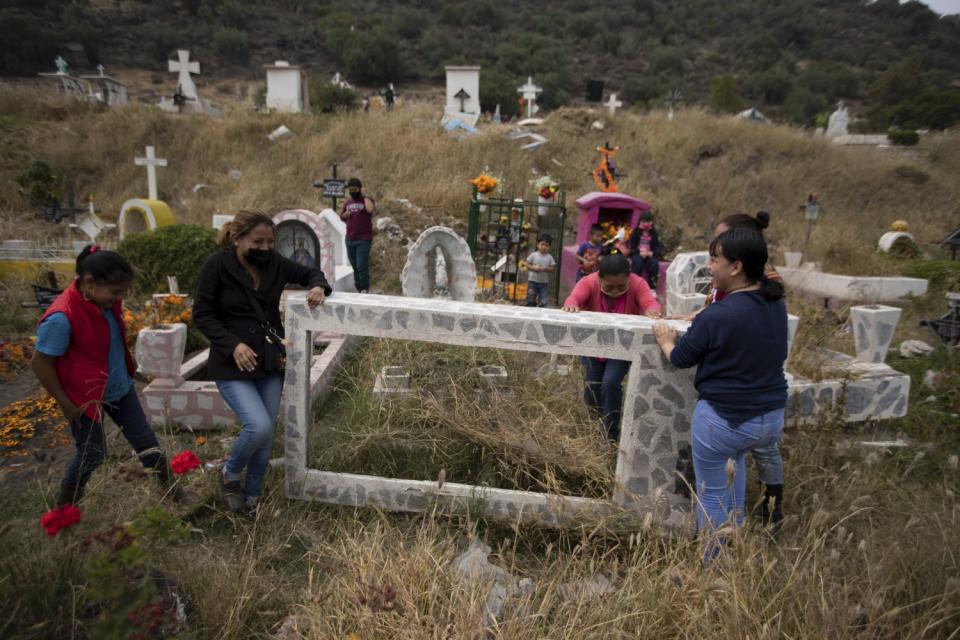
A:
[739,345]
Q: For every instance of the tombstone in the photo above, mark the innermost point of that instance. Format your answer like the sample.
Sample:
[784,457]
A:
[139,215]
[320,238]
[839,119]
[873,327]
[497,118]
[529,92]
[461,271]
[594,91]
[752,115]
[688,283]
[898,229]
[66,84]
[151,162]
[220,219]
[595,208]
[111,91]
[612,104]
[287,88]
[463,95]
[186,99]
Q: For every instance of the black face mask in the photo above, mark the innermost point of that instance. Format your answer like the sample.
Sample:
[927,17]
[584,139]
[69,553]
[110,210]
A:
[258,257]
[356,195]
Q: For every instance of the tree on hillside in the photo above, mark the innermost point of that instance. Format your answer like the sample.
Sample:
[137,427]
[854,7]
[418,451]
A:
[724,95]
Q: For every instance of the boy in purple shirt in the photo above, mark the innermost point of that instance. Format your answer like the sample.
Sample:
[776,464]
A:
[357,211]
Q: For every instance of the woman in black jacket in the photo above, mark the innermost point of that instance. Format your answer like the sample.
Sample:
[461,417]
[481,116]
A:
[237,307]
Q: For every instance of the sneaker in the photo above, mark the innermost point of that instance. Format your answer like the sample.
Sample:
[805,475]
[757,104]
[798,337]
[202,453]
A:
[250,504]
[232,494]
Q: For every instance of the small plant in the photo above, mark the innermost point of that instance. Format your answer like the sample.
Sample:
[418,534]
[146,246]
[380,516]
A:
[330,98]
[903,138]
[178,250]
[36,184]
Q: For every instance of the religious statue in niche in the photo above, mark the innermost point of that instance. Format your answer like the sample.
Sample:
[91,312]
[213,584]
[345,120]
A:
[296,241]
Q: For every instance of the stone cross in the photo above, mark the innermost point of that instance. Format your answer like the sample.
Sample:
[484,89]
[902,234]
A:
[529,92]
[613,104]
[185,67]
[151,162]
[102,69]
[61,65]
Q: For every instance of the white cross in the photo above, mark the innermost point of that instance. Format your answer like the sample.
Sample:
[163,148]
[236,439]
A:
[529,92]
[151,162]
[183,65]
[613,104]
[101,69]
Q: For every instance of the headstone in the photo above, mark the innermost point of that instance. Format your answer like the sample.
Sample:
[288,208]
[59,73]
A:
[529,92]
[67,85]
[839,119]
[319,239]
[496,119]
[139,215]
[461,270]
[873,327]
[112,92]
[280,132]
[287,88]
[612,104]
[185,67]
[463,95]
[151,162]
[688,283]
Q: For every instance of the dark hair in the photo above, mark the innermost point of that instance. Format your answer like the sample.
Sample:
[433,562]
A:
[749,248]
[105,267]
[758,222]
[614,264]
[594,228]
[243,223]
[646,216]
[545,238]
[354,182]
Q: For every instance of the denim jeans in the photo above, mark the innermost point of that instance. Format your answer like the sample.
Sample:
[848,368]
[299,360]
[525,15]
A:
[537,294]
[721,501]
[91,442]
[358,253]
[256,403]
[603,390]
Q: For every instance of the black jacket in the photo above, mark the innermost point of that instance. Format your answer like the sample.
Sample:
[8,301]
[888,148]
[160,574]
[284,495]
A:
[635,243]
[223,313]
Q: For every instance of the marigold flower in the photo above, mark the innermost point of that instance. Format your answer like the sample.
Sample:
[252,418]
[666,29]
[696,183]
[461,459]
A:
[60,518]
[184,462]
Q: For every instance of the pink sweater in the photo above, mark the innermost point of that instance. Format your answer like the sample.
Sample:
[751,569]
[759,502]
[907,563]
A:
[586,296]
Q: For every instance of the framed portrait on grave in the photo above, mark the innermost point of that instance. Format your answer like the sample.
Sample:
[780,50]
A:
[297,241]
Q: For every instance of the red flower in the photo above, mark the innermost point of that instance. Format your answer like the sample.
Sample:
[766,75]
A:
[183,462]
[60,518]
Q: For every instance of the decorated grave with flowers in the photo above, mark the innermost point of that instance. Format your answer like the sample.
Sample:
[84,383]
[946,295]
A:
[503,231]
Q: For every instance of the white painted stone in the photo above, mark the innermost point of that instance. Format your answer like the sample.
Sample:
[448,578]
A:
[873,327]
[280,132]
[287,88]
[461,270]
[839,119]
[184,67]
[159,351]
[914,348]
[852,288]
[886,240]
[529,92]
[467,107]
[792,259]
[688,282]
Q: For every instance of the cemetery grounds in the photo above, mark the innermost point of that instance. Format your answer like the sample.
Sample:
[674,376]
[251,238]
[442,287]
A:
[870,547]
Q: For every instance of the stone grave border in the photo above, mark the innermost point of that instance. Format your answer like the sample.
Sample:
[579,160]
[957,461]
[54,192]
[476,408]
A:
[656,415]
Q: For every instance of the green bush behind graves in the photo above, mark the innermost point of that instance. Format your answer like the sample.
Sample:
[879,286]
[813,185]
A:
[904,138]
[178,250]
[326,97]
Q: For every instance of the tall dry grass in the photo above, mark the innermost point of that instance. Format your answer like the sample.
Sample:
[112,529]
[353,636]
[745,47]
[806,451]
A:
[693,170]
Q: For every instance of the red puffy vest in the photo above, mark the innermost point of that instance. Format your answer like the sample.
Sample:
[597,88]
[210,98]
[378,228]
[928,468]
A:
[84,368]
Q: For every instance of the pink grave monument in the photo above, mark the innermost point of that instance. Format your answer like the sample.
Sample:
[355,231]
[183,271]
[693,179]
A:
[595,208]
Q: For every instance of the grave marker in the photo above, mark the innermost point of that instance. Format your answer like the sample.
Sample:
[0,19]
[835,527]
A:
[151,162]
[612,104]
[184,67]
[529,92]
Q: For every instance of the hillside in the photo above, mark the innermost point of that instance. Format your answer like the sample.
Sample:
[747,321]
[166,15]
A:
[793,59]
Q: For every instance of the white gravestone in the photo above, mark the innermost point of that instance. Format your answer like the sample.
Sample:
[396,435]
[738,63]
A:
[463,95]
[530,91]
[839,119]
[688,283]
[184,66]
[287,89]
[151,162]
[612,104]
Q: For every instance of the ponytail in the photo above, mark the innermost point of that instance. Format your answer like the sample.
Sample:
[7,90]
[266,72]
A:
[771,289]
[105,267]
[243,223]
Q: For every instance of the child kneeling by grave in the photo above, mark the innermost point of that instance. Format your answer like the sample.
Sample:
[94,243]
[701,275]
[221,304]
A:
[739,345]
[613,289]
[82,360]
[237,307]
[540,264]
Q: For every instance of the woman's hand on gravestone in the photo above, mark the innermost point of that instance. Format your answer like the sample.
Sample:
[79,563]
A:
[315,297]
[570,309]
[245,357]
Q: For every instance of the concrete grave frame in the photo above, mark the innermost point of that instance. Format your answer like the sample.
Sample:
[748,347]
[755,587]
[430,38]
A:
[418,276]
[658,403]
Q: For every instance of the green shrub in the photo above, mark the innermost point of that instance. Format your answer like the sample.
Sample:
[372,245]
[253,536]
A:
[178,250]
[725,96]
[326,97]
[942,274]
[904,247]
[904,138]
[232,42]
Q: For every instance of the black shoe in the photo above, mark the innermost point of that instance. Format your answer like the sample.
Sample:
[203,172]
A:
[69,494]
[771,509]
[233,495]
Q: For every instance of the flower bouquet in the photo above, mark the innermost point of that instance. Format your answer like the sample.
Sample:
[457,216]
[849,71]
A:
[547,189]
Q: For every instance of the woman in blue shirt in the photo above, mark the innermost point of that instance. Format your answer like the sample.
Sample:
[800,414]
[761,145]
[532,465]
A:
[739,346]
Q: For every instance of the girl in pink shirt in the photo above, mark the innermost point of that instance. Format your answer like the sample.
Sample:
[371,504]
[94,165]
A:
[613,289]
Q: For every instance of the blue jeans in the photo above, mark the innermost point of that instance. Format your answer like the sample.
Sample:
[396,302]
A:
[537,294]
[721,501]
[256,403]
[358,253]
[92,446]
[603,390]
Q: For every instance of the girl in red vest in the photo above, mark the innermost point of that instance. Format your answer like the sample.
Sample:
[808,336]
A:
[82,360]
